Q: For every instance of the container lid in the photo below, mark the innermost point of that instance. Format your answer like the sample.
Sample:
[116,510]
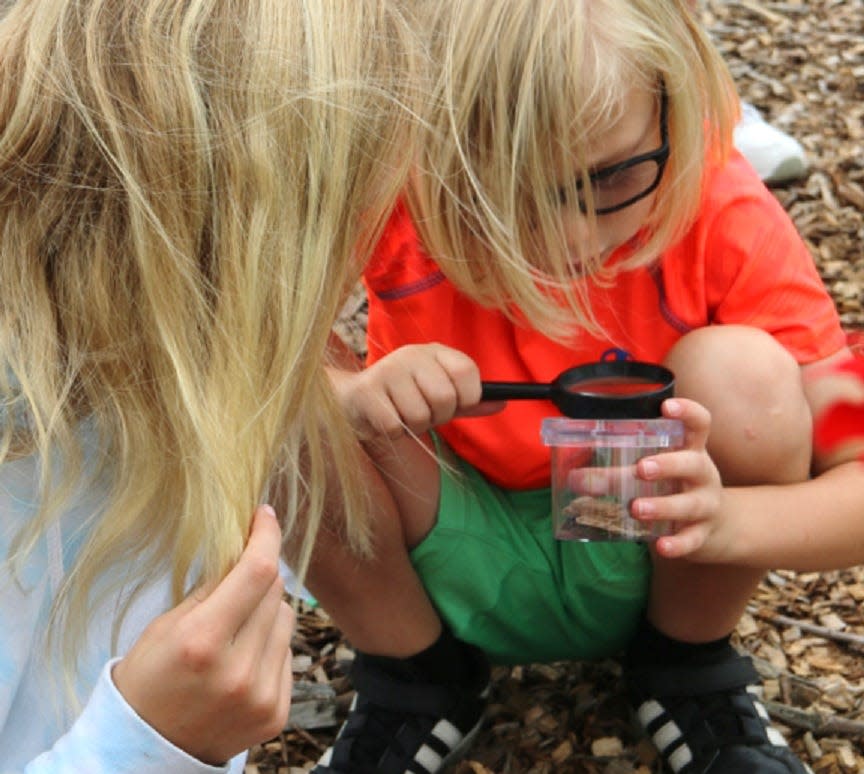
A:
[563,431]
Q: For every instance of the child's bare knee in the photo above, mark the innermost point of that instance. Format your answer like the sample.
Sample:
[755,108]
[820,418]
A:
[761,423]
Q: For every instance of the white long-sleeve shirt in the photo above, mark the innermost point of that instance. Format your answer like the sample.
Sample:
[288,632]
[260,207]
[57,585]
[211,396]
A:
[40,732]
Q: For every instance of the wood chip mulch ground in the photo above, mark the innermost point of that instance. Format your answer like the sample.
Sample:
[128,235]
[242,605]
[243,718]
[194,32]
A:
[802,63]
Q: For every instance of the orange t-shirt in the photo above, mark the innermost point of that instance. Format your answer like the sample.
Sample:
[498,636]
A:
[742,262]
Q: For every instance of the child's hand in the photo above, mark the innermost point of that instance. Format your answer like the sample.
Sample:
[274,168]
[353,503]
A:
[213,675]
[413,389]
[700,528]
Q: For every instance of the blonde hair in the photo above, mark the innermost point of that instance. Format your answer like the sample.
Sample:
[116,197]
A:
[525,84]
[187,192]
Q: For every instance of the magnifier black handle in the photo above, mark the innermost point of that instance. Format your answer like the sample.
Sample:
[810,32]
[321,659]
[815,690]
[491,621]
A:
[515,390]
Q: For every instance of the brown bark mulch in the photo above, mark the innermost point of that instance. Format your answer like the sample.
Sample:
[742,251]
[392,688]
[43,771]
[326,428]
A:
[802,63]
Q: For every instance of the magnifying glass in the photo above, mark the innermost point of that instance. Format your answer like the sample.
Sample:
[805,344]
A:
[615,389]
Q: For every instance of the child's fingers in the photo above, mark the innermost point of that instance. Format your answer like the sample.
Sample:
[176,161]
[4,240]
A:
[380,398]
[597,481]
[374,415]
[440,394]
[685,541]
[463,374]
[443,380]
[689,465]
[410,407]
[414,388]
[484,409]
[696,419]
[683,507]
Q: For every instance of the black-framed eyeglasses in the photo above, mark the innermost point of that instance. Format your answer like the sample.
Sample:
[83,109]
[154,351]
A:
[619,185]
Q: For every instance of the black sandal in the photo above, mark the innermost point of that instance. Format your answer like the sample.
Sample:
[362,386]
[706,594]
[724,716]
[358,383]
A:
[708,719]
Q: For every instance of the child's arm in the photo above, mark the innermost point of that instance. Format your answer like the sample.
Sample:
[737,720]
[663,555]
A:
[812,525]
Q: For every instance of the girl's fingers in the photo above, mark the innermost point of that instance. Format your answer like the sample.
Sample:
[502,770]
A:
[258,627]
[239,594]
[275,658]
[192,600]
[269,663]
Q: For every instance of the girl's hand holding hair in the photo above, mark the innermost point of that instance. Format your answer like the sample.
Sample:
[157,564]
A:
[213,675]
[412,389]
[702,529]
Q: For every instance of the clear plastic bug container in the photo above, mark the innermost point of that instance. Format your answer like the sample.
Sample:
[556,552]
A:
[594,475]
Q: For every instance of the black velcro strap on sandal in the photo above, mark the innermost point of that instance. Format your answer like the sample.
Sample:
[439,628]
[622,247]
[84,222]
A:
[690,680]
[379,688]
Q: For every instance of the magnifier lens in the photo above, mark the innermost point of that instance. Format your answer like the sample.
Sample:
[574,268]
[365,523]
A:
[612,385]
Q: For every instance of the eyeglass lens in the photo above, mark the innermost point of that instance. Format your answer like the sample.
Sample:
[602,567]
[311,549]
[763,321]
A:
[621,185]
[624,186]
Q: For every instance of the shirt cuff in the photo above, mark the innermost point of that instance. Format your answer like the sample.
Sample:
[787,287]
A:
[109,736]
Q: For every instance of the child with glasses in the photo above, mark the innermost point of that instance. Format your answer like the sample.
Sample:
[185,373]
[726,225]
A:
[184,190]
[577,199]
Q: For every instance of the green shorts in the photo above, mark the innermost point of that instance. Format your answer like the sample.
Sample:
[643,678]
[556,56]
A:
[501,581]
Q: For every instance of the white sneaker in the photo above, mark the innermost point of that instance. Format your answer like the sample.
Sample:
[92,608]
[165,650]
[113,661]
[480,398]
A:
[776,157]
